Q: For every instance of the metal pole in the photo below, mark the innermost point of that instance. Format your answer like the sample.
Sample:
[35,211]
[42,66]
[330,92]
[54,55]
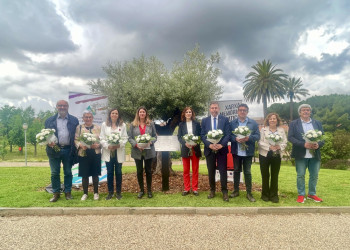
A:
[25,145]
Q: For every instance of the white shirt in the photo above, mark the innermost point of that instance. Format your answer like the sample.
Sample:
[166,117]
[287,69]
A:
[189,127]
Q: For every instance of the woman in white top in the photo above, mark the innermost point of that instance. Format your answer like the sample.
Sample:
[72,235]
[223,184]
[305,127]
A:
[270,156]
[113,155]
[189,152]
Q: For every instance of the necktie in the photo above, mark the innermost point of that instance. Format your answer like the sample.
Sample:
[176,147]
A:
[214,122]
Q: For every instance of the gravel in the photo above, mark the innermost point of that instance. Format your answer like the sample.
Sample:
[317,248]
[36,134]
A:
[295,231]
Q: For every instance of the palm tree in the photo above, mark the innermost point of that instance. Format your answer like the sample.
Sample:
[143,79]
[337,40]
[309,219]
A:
[294,91]
[264,84]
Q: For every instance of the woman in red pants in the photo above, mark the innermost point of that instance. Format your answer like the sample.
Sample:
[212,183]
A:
[189,151]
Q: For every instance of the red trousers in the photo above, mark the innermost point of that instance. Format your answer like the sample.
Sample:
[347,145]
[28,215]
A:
[195,167]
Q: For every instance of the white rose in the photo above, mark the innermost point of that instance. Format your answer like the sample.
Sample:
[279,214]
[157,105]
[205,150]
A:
[309,135]
[319,132]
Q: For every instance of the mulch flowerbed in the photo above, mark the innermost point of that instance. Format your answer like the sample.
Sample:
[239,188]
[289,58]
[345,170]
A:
[175,184]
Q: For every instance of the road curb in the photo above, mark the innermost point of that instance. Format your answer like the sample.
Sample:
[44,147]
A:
[59,211]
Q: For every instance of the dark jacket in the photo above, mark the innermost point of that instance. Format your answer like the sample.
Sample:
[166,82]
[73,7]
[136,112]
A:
[72,123]
[224,125]
[254,136]
[196,130]
[295,136]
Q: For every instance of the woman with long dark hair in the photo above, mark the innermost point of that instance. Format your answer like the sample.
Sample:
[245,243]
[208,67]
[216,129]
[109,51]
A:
[113,155]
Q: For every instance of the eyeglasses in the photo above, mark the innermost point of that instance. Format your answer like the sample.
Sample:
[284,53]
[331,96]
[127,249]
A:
[61,106]
[243,110]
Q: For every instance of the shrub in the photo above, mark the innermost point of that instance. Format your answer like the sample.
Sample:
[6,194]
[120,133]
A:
[339,164]
[175,155]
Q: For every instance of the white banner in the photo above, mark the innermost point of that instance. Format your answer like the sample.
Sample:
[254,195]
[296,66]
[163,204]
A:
[97,104]
[229,108]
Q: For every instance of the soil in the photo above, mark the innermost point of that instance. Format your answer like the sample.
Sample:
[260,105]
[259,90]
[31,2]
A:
[130,184]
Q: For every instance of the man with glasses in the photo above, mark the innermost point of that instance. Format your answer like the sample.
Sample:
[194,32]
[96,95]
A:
[242,158]
[307,154]
[64,125]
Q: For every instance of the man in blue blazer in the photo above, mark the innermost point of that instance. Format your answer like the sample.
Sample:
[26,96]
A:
[216,154]
[242,158]
[307,155]
[65,125]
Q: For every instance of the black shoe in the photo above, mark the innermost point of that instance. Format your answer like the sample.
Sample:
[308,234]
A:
[265,198]
[119,196]
[140,194]
[275,199]
[149,195]
[184,193]
[225,197]
[55,197]
[234,194]
[195,193]
[250,197]
[109,196]
[68,196]
[211,195]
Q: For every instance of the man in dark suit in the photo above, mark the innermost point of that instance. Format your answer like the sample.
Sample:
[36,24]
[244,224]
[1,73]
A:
[65,125]
[242,158]
[216,154]
[307,154]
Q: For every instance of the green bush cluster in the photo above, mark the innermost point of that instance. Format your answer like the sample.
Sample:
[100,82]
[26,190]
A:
[339,164]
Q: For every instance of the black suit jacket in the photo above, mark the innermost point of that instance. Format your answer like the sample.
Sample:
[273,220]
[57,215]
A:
[224,125]
[72,123]
[295,136]
[196,130]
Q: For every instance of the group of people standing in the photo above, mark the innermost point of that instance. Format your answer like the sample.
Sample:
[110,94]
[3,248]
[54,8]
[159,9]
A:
[68,132]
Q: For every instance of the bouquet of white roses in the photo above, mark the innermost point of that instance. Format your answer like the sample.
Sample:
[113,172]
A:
[191,139]
[274,139]
[215,135]
[47,136]
[143,141]
[114,139]
[313,136]
[242,132]
[87,139]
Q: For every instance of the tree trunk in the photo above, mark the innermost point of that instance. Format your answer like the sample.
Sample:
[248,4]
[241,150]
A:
[157,165]
[264,100]
[35,152]
[10,148]
[291,109]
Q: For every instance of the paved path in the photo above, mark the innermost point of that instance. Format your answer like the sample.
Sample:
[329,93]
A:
[296,231]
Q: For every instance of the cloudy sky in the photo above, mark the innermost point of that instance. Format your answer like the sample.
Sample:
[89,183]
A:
[50,47]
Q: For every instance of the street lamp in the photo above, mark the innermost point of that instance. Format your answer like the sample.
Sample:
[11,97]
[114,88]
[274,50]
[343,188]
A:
[25,127]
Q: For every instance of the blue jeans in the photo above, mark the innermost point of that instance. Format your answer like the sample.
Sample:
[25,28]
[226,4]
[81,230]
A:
[55,165]
[114,166]
[242,163]
[313,165]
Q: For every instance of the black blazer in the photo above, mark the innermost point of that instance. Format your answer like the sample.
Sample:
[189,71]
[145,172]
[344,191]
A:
[196,130]
[72,123]
[224,125]
[295,136]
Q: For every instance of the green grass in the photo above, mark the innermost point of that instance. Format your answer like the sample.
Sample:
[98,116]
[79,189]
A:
[17,156]
[24,187]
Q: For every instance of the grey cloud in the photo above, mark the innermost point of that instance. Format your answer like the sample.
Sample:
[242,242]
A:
[33,26]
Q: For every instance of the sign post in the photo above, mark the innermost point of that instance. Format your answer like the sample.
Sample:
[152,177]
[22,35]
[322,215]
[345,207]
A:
[166,144]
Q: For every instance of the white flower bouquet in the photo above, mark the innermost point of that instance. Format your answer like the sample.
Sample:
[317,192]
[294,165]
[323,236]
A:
[87,139]
[143,141]
[215,135]
[115,139]
[47,136]
[274,140]
[191,139]
[313,136]
[242,132]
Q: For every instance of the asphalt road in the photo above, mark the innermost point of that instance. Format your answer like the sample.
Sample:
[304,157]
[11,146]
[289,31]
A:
[295,231]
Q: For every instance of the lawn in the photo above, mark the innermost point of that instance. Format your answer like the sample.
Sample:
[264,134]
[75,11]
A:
[24,187]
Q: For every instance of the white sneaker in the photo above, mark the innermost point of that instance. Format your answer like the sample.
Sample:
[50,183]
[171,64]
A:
[96,196]
[84,197]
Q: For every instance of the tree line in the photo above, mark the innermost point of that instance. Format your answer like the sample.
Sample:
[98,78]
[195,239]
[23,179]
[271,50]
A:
[11,126]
